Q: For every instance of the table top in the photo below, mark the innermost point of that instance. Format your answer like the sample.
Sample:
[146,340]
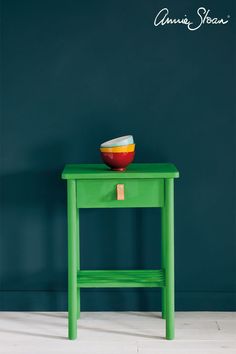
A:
[135,170]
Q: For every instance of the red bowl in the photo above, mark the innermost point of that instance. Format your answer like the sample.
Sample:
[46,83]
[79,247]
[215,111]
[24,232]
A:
[118,161]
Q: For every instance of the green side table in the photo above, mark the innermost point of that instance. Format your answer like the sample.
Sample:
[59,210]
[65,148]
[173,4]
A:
[141,186]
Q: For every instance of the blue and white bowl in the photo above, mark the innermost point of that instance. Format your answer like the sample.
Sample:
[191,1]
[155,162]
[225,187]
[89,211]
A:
[121,141]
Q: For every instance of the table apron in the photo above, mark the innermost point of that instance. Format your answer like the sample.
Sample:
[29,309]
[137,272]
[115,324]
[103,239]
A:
[103,193]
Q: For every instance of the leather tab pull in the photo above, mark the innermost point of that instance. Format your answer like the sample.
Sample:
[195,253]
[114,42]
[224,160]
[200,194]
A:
[120,192]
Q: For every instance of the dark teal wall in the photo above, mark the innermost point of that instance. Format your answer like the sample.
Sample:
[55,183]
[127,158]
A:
[76,73]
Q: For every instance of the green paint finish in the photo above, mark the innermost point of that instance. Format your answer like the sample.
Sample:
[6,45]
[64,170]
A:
[72,258]
[163,259]
[135,170]
[168,214]
[78,261]
[102,193]
[120,278]
[145,185]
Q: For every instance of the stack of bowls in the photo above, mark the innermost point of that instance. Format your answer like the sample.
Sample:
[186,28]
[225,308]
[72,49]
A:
[118,153]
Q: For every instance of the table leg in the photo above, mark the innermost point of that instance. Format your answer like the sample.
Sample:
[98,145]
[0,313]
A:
[72,259]
[163,259]
[78,263]
[169,263]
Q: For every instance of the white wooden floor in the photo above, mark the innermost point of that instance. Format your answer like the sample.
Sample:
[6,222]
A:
[117,332]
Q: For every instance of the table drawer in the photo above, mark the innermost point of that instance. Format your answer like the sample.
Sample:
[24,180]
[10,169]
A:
[136,193]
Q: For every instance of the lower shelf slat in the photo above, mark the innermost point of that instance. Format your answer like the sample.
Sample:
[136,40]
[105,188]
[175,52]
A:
[120,278]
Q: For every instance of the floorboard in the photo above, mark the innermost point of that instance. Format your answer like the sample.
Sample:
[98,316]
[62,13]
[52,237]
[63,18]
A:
[117,332]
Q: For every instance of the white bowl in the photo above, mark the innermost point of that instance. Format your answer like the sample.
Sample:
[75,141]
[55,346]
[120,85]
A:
[121,141]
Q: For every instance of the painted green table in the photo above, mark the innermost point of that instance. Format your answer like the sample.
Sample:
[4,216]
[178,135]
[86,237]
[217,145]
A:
[141,186]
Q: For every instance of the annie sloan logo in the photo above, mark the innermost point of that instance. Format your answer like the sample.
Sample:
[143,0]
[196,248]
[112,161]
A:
[203,18]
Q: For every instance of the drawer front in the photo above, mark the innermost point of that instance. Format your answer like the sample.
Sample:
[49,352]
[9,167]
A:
[134,193]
